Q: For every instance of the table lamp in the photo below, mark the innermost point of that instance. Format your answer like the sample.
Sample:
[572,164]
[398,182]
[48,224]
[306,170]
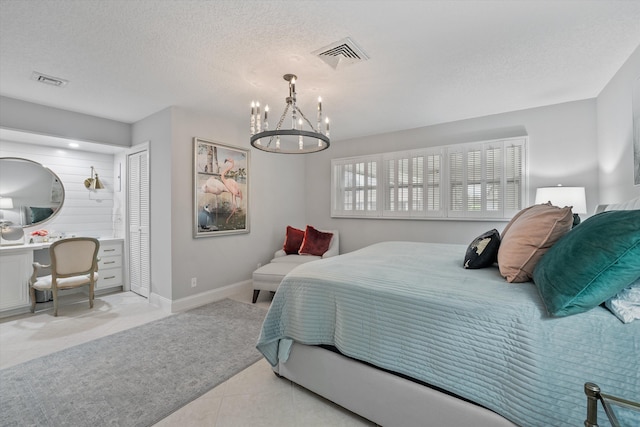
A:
[564,196]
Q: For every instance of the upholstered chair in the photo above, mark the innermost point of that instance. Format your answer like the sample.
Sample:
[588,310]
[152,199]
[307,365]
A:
[74,263]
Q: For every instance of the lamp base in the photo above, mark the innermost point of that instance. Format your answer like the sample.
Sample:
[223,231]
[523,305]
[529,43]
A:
[576,219]
[11,235]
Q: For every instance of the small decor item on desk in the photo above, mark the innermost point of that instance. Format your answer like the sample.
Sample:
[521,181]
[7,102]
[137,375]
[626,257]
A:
[40,236]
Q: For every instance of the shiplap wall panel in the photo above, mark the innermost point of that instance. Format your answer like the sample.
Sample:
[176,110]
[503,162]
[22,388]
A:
[84,212]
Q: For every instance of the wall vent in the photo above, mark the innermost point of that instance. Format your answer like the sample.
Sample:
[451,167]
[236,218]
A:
[48,80]
[341,53]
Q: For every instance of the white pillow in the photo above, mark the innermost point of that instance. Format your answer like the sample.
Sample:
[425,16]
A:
[626,304]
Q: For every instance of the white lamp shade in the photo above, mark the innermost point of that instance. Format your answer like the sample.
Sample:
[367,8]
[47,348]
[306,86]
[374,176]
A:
[563,196]
[6,203]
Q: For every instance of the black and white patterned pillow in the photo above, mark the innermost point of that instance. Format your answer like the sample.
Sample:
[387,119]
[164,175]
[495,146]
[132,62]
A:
[483,251]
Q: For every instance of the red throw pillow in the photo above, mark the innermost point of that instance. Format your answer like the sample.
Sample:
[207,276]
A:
[293,240]
[315,242]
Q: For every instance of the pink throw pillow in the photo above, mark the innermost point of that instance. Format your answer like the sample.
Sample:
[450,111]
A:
[528,236]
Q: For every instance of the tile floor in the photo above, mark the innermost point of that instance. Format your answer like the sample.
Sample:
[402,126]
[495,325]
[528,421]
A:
[253,397]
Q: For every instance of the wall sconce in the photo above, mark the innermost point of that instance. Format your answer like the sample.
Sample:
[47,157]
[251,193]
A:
[93,183]
[564,196]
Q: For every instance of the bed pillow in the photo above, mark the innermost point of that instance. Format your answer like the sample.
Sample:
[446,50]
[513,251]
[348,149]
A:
[315,242]
[531,233]
[483,251]
[626,303]
[590,264]
[293,240]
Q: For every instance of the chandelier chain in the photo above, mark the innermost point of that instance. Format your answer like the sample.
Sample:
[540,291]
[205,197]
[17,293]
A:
[307,120]
[279,125]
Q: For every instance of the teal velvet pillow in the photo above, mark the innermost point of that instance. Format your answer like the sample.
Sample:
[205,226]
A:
[591,263]
[40,214]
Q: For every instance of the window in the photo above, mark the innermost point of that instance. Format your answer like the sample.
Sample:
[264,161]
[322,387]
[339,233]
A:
[475,180]
[412,183]
[355,187]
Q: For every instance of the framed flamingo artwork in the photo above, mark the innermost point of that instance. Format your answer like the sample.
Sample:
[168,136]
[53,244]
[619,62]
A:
[221,189]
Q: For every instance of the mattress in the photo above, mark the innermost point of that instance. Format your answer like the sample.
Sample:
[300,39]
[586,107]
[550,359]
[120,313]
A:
[412,309]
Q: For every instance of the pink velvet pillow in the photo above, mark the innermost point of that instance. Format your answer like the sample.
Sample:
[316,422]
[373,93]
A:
[528,236]
[293,240]
[315,242]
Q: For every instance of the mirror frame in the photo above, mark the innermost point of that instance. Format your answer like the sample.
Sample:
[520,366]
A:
[55,176]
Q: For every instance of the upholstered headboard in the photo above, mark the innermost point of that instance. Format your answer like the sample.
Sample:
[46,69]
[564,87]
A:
[622,206]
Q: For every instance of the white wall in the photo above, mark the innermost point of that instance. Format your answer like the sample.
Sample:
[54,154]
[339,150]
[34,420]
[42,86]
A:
[562,150]
[156,130]
[277,189]
[84,212]
[615,134]
[276,194]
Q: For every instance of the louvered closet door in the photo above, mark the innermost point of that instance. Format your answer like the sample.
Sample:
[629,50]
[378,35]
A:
[138,216]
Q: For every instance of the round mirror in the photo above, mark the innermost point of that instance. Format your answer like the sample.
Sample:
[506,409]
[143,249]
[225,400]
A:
[30,193]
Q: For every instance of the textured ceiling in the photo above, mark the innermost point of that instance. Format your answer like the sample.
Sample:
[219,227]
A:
[430,61]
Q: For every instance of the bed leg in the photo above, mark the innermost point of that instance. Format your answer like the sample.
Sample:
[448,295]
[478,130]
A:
[592,391]
[256,292]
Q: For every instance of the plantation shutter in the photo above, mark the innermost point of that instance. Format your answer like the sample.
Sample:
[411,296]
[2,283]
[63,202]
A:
[475,180]
[356,185]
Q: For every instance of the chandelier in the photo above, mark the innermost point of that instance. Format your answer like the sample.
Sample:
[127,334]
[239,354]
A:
[295,140]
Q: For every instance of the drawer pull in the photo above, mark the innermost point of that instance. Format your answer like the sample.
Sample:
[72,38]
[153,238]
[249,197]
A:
[110,277]
[109,250]
[109,262]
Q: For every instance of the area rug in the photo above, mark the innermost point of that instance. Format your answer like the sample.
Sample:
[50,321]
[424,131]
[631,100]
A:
[134,377]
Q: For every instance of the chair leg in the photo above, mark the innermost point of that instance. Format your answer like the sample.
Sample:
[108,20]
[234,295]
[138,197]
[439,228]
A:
[54,292]
[32,295]
[91,285]
[256,292]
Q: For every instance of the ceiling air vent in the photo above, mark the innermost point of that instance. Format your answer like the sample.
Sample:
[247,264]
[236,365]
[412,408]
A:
[341,53]
[48,80]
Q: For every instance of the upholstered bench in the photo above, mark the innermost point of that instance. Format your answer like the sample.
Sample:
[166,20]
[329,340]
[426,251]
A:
[269,276]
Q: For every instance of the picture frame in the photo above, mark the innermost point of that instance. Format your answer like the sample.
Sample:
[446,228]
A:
[220,189]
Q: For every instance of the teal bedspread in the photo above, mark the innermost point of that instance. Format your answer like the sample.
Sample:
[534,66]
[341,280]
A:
[412,309]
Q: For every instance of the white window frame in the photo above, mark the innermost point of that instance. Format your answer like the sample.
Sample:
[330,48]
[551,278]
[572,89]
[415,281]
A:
[507,203]
[357,187]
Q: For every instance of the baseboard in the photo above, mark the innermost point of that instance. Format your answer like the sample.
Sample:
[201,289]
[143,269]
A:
[161,302]
[203,298]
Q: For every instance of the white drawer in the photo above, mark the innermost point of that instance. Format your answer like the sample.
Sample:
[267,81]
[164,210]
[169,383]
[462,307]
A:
[109,262]
[112,249]
[109,278]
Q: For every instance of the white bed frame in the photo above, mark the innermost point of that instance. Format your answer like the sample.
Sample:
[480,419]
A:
[379,396]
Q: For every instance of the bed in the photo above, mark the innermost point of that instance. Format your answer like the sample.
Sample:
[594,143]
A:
[401,334]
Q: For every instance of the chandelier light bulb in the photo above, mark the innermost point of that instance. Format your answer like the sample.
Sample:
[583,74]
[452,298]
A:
[265,125]
[258,122]
[252,125]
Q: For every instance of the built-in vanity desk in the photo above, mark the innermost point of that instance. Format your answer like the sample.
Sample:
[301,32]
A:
[16,269]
